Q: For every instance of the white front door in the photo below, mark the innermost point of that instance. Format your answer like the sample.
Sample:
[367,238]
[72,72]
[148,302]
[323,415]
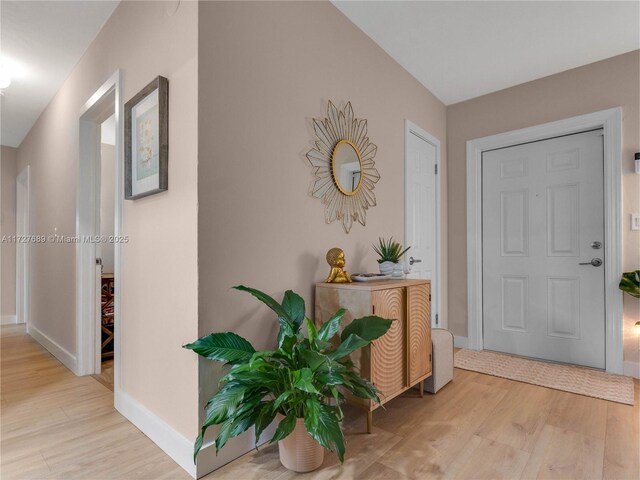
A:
[421,213]
[543,223]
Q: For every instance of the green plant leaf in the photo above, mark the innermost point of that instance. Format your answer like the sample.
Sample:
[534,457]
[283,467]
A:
[311,330]
[367,328]
[293,304]
[254,373]
[198,444]
[267,300]
[282,398]
[335,393]
[321,421]
[226,430]
[322,345]
[287,325]
[360,387]
[313,359]
[630,283]
[224,434]
[331,326]
[312,415]
[287,344]
[223,347]
[350,344]
[285,427]
[239,423]
[223,404]
[303,380]
[265,416]
[330,378]
[286,330]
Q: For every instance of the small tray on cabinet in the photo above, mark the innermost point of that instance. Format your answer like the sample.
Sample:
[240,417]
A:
[369,277]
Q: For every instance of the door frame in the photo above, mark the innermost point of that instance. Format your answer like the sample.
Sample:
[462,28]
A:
[88,333]
[611,122]
[411,128]
[23,282]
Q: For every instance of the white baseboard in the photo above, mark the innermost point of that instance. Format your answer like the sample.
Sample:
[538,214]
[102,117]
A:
[631,369]
[8,319]
[208,461]
[460,342]
[179,448]
[67,359]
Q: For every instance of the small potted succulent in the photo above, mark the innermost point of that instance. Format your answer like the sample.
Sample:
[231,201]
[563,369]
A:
[390,253]
[298,383]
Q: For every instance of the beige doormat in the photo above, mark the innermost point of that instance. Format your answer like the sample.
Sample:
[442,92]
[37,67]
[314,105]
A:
[568,378]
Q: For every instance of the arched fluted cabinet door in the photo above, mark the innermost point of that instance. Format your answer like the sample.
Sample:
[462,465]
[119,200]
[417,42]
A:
[388,353]
[419,332]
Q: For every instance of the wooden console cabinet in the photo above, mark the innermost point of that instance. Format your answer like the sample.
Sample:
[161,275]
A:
[402,357]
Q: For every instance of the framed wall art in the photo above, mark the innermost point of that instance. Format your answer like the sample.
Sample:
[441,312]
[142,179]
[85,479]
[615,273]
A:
[146,141]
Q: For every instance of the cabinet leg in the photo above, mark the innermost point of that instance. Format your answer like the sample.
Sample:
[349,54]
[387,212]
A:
[422,389]
[369,421]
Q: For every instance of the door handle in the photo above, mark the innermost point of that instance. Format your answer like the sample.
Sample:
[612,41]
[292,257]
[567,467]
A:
[414,260]
[595,262]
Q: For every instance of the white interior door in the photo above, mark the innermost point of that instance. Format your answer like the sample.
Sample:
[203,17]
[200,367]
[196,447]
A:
[543,223]
[421,213]
[22,248]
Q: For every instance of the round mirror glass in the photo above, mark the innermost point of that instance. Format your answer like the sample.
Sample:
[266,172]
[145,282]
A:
[346,167]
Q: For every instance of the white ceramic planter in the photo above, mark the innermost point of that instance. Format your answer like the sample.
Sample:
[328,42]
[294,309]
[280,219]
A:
[398,271]
[387,268]
[299,451]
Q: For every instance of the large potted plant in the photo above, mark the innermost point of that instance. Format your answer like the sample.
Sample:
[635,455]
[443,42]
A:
[298,383]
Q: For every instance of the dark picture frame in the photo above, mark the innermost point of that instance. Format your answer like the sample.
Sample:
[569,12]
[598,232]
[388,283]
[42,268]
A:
[146,130]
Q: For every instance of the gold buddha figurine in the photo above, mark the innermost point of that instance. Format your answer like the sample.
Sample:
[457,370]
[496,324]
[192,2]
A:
[335,259]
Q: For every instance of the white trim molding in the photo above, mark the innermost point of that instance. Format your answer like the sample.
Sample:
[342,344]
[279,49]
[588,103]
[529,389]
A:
[174,444]
[88,335]
[208,461]
[23,250]
[61,353]
[460,342]
[180,448]
[631,369]
[611,122]
[412,128]
[8,319]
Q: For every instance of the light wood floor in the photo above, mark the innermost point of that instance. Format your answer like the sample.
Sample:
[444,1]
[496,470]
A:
[57,425]
[105,376]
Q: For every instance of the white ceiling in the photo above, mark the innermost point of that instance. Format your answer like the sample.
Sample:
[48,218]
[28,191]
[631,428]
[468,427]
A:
[457,49]
[464,49]
[41,42]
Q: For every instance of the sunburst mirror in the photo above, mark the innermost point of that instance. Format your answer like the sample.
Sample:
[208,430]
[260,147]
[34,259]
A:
[345,173]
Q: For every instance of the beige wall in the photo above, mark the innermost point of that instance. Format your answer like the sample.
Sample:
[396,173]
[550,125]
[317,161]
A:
[598,86]
[159,264]
[265,70]
[8,173]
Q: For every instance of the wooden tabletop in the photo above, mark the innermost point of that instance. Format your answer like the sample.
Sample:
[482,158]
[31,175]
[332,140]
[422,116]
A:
[374,285]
